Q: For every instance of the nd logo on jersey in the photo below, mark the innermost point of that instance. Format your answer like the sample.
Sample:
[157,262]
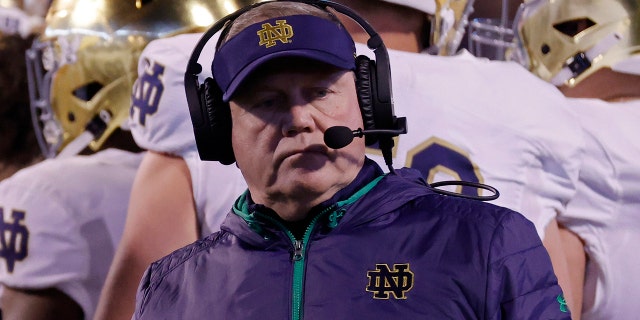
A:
[14,239]
[270,34]
[384,281]
[9,24]
[147,91]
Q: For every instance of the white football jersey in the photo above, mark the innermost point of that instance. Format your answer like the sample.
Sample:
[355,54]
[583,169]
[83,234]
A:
[605,211]
[470,119]
[491,122]
[62,220]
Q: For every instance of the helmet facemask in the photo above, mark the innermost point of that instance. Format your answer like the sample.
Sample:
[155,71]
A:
[564,42]
[83,91]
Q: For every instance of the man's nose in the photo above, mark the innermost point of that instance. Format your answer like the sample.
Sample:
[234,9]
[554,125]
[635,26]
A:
[300,119]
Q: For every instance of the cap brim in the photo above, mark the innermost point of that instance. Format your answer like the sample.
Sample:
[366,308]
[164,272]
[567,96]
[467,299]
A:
[319,56]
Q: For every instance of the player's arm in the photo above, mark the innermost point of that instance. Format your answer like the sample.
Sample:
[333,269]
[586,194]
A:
[46,304]
[558,252]
[576,262]
[161,219]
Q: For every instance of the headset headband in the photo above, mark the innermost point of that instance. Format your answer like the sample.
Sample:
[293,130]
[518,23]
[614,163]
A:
[375,43]
[210,113]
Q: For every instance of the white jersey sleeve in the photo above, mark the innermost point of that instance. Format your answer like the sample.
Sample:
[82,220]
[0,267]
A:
[605,210]
[159,117]
[62,220]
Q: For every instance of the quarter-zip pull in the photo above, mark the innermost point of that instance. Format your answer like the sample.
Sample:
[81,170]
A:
[297,250]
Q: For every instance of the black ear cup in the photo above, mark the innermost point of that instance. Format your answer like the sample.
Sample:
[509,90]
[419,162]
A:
[219,116]
[365,72]
[211,119]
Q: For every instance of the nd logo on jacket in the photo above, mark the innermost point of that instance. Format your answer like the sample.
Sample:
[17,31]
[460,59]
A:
[384,281]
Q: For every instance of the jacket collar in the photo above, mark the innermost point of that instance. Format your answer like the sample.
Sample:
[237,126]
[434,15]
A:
[258,216]
[256,223]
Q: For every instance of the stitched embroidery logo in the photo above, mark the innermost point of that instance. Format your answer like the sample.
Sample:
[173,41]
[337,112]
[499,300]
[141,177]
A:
[563,303]
[14,237]
[270,34]
[384,281]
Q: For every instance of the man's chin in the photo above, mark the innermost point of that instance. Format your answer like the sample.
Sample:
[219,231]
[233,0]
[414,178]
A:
[310,181]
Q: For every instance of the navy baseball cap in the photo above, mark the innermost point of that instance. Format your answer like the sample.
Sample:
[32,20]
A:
[303,36]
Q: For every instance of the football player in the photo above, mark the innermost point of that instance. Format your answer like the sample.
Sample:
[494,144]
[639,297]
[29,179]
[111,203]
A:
[591,51]
[62,218]
[468,119]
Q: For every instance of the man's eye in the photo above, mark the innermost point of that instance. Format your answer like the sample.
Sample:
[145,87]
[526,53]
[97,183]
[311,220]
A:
[266,103]
[321,93]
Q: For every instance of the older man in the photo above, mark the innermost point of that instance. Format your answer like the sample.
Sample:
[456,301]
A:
[324,233]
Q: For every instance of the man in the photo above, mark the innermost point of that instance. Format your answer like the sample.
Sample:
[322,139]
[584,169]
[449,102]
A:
[533,165]
[62,218]
[589,49]
[324,232]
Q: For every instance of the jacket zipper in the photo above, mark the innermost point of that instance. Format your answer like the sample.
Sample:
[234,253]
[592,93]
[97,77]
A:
[300,246]
[298,279]
[299,250]
[298,259]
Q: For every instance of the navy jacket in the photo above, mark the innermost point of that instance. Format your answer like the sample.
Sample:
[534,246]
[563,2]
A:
[386,247]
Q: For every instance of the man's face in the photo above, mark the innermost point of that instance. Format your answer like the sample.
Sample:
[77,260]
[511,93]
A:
[279,119]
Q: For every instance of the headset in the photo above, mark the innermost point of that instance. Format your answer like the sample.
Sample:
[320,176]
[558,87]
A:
[211,116]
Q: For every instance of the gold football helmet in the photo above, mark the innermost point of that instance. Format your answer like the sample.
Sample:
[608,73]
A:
[448,22]
[565,41]
[82,69]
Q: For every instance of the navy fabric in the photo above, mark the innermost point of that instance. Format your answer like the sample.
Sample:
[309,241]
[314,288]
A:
[290,36]
[468,259]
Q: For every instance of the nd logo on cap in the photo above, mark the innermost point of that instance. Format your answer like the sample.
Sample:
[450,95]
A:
[269,34]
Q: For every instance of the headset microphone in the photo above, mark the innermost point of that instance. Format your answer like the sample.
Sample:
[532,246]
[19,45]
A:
[339,136]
